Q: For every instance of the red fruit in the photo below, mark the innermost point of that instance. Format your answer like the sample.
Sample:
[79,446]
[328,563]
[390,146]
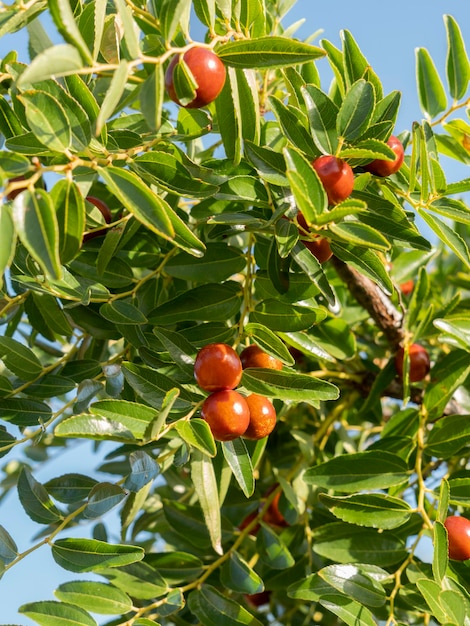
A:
[208,72]
[217,367]
[105,212]
[418,359]
[319,247]
[258,599]
[253,356]
[262,417]
[227,414]
[407,287]
[458,532]
[248,519]
[273,515]
[336,176]
[383,168]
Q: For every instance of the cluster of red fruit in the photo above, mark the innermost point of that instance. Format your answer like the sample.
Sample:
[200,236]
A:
[218,369]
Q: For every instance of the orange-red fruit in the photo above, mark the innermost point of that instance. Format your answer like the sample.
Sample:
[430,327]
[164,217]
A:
[208,72]
[458,532]
[262,417]
[273,515]
[336,176]
[418,359]
[227,414]
[383,168]
[319,247]
[407,287]
[217,367]
[253,356]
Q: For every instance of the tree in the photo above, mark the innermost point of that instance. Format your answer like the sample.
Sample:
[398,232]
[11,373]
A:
[135,231]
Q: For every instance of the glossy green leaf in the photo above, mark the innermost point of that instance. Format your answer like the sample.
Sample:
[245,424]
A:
[137,198]
[102,498]
[121,312]
[375,510]
[288,386]
[70,210]
[139,580]
[335,337]
[143,470]
[267,52]
[280,316]
[309,193]
[356,233]
[220,262]
[272,549]
[10,125]
[90,555]
[210,302]
[356,66]
[70,488]
[248,102]
[239,461]
[269,342]
[346,543]
[8,547]
[60,60]
[176,566]
[448,374]
[197,433]
[361,470]
[95,597]
[237,575]
[365,261]
[322,115]
[457,62]
[205,10]
[430,591]
[432,96]
[36,224]
[440,556]
[230,118]
[269,164]
[205,484]
[356,110]
[453,209]
[35,500]
[47,119]
[52,613]
[294,124]
[152,96]
[353,581]
[63,17]
[313,270]
[448,436]
[20,359]
[210,607]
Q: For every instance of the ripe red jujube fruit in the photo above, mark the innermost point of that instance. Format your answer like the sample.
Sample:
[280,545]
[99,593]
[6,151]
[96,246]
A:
[208,72]
[227,414]
[418,359]
[254,356]
[262,417]
[319,247]
[217,367]
[407,287]
[383,168]
[458,532]
[336,176]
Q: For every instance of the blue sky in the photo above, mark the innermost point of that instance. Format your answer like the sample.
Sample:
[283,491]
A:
[388,34]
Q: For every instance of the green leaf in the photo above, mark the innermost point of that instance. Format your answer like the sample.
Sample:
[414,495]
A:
[143,470]
[139,580]
[457,63]
[293,123]
[288,386]
[129,27]
[357,471]
[448,436]
[10,124]
[448,374]
[453,209]
[356,111]
[205,484]
[335,336]
[19,359]
[90,555]
[359,234]
[440,557]
[267,52]
[102,498]
[355,583]
[309,193]
[322,114]
[313,269]
[366,262]
[8,547]
[36,224]
[52,613]
[432,96]
[269,164]
[95,597]
[237,575]
[220,262]
[121,312]
[70,488]
[430,591]
[272,549]
[47,120]
[346,543]
[35,499]
[152,96]
[210,302]
[238,458]
[375,510]
[212,608]
[197,433]
[70,210]
[59,60]
[356,66]
[63,17]
[146,206]
[281,316]
[269,342]
[229,115]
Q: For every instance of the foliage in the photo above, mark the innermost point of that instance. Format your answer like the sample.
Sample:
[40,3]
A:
[99,334]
